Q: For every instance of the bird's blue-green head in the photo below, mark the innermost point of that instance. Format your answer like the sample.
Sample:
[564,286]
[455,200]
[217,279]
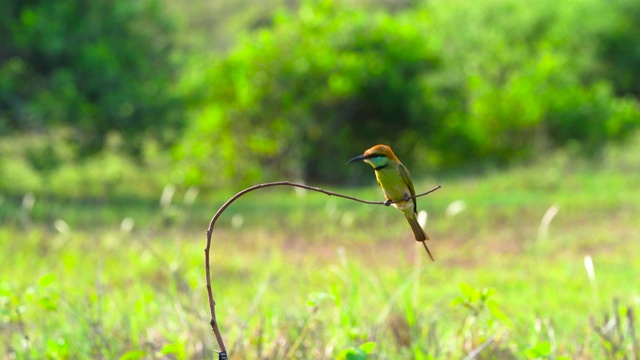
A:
[378,156]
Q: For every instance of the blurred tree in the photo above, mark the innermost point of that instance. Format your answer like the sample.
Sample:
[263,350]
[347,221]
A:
[454,83]
[215,26]
[528,77]
[318,86]
[619,47]
[94,66]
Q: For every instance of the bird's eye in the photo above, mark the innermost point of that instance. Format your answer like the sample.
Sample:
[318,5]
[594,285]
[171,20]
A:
[376,156]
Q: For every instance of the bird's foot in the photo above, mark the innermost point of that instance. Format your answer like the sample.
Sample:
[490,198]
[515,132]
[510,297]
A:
[388,202]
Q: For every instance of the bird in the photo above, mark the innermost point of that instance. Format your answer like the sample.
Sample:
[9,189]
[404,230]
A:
[395,182]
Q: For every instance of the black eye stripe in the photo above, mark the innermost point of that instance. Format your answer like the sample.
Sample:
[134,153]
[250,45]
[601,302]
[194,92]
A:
[376,156]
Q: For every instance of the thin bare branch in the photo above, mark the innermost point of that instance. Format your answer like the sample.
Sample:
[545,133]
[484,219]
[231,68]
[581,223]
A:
[473,354]
[635,355]
[222,353]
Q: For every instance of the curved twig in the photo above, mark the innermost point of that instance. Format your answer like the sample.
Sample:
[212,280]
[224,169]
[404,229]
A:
[222,353]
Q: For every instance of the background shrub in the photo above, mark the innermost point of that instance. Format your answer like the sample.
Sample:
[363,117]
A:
[452,84]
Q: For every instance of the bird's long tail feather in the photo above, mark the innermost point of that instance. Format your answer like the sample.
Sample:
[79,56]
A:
[428,252]
[419,233]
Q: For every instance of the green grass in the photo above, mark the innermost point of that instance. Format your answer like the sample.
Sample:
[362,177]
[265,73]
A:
[303,275]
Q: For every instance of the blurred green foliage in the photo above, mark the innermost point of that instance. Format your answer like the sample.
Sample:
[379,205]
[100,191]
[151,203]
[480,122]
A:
[619,51]
[95,67]
[320,83]
[293,89]
[529,77]
[448,83]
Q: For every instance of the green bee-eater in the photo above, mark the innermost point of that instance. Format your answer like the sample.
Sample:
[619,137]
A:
[395,181]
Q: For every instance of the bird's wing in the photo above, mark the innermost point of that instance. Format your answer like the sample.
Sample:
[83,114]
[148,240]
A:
[407,180]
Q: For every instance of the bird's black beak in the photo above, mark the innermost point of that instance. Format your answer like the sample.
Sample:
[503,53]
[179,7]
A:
[357,158]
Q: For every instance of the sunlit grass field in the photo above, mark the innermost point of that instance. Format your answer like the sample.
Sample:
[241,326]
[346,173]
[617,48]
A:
[298,274]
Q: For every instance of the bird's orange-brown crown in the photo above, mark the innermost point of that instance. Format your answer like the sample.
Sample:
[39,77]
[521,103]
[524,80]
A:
[381,150]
